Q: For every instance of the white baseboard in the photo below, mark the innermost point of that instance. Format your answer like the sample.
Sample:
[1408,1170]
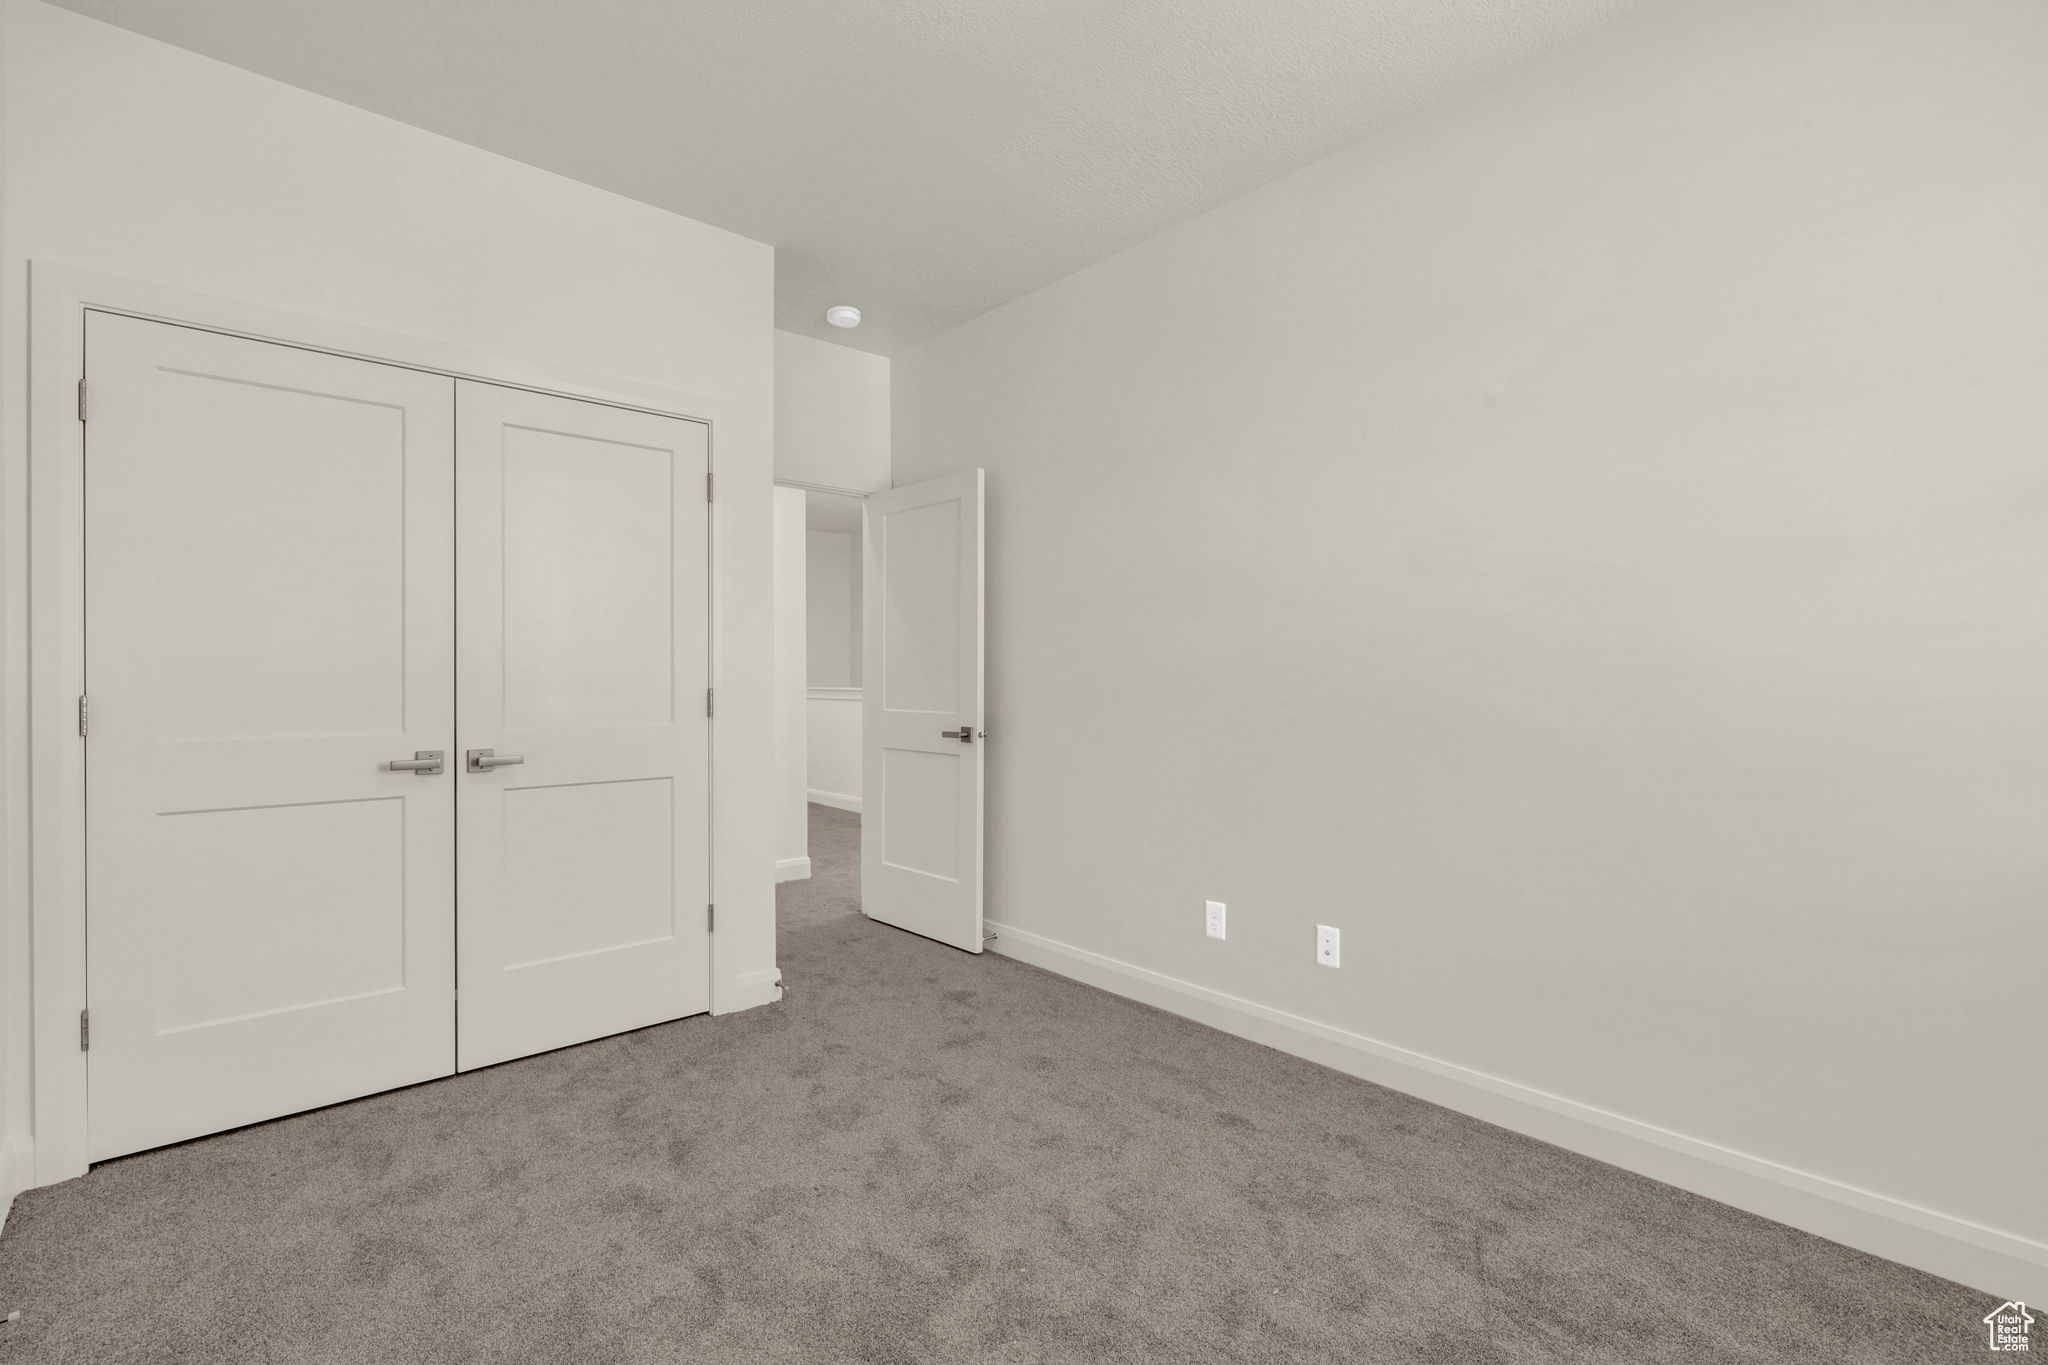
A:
[750,989]
[2001,1264]
[836,801]
[792,869]
[17,1170]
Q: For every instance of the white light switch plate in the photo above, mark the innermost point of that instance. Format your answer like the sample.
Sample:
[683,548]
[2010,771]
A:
[1326,945]
[1215,919]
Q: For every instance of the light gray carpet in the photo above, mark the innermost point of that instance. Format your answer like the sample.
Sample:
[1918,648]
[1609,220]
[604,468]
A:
[922,1156]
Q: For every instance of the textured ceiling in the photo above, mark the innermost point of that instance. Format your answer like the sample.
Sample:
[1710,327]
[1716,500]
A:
[925,159]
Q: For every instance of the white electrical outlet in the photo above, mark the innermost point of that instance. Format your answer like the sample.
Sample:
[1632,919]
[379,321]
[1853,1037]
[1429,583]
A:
[1215,919]
[1326,946]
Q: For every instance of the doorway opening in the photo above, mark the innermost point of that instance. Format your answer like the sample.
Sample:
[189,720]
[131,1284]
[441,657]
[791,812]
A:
[832,653]
[818,668]
[880,606]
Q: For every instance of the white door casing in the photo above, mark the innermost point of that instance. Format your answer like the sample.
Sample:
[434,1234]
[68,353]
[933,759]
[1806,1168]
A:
[923,604]
[269,622]
[582,553]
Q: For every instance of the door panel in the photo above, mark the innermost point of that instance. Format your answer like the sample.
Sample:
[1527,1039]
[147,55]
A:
[583,572]
[589,610]
[564,840]
[279,561]
[284,907]
[921,829]
[921,625]
[269,622]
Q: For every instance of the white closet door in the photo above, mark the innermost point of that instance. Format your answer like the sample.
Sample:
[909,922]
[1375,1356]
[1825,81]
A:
[582,564]
[921,732]
[268,624]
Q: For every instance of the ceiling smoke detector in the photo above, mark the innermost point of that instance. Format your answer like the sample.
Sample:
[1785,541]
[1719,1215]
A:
[843,315]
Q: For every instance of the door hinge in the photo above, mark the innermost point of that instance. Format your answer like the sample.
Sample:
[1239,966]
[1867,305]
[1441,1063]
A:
[710,918]
[84,716]
[707,487]
[710,703]
[81,400]
[85,1030]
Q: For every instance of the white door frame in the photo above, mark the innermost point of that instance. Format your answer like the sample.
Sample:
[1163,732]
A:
[50,827]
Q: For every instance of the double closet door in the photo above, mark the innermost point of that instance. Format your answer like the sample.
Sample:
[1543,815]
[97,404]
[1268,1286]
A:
[397,757]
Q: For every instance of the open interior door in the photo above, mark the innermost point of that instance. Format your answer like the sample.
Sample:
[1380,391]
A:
[922,741]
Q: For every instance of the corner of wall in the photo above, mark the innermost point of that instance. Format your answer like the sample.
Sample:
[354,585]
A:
[762,987]
[17,1170]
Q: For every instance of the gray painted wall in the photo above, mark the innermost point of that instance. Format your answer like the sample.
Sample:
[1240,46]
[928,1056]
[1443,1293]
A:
[1589,543]
[832,568]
